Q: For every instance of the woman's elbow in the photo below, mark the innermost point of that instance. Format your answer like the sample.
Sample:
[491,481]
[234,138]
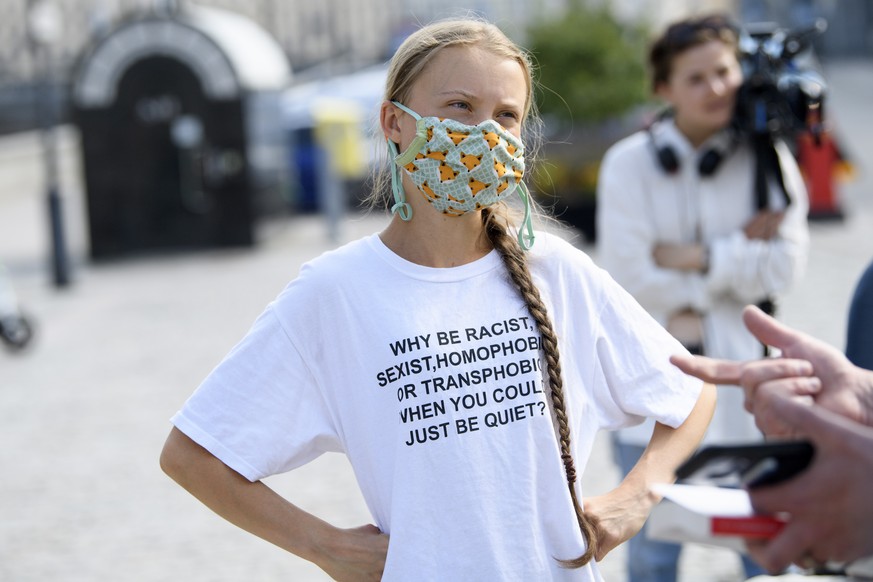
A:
[176,456]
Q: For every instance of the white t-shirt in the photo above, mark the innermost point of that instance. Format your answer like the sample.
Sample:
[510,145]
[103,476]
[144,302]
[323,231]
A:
[431,381]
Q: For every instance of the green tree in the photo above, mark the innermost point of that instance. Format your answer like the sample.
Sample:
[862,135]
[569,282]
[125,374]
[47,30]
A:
[591,67]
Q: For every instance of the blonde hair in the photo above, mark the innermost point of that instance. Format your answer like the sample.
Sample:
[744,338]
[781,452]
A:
[406,66]
[419,49]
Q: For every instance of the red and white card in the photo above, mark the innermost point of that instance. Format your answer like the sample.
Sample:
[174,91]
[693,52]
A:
[716,516]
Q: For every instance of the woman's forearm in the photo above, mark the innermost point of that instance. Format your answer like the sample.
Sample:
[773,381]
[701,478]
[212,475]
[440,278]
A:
[254,507]
[669,447]
[623,510]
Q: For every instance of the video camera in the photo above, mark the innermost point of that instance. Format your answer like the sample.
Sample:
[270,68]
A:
[780,96]
[778,99]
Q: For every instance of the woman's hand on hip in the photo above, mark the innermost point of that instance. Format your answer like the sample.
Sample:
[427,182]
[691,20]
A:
[622,513]
[356,554]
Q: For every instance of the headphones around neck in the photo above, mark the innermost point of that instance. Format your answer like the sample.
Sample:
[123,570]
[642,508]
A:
[707,163]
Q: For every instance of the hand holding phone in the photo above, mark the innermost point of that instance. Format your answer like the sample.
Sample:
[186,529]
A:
[748,466]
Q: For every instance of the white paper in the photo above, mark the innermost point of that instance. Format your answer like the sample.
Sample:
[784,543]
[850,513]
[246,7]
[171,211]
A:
[687,511]
[708,500]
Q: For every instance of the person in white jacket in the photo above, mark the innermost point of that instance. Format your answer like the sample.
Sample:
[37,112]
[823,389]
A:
[679,227]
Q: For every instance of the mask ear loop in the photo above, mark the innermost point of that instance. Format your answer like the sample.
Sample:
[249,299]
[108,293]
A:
[525,232]
[401,206]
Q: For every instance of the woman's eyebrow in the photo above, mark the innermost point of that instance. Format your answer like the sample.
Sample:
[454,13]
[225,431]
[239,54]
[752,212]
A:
[457,92]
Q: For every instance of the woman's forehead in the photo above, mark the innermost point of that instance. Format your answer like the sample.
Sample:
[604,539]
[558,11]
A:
[475,71]
[709,54]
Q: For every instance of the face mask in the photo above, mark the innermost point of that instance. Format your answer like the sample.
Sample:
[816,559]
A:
[461,168]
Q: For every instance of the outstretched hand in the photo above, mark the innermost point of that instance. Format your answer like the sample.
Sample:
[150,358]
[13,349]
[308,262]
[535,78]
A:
[760,379]
[808,371]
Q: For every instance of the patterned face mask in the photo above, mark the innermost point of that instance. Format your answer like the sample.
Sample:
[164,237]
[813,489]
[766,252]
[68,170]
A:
[461,168]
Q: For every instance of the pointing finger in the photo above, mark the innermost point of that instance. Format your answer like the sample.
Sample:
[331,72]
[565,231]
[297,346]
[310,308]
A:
[709,370]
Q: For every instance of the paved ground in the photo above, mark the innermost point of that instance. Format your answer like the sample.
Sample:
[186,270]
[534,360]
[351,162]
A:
[84,413]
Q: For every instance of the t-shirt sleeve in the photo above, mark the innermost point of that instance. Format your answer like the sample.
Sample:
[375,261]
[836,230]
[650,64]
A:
[633,354]
[260,411]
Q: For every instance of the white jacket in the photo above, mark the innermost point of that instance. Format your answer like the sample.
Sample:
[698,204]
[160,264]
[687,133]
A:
[640,205]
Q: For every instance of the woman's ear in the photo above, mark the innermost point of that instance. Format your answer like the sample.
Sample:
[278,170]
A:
[389,119]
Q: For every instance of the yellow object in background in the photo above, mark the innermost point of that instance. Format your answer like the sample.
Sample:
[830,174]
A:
[338,131]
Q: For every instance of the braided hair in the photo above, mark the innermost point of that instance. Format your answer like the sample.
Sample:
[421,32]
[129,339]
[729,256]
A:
[516,264]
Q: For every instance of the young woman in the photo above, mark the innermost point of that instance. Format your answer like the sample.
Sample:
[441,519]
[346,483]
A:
[680,228]
[464,376]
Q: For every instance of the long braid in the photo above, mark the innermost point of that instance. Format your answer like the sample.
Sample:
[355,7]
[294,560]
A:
[516,264]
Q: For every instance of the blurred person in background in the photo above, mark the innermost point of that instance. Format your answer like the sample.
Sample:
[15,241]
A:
[462,362]
[679,228]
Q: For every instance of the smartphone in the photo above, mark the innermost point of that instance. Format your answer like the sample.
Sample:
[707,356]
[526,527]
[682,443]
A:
[751,465]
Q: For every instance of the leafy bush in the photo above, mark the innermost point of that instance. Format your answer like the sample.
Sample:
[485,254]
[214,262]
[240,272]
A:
[591,67]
